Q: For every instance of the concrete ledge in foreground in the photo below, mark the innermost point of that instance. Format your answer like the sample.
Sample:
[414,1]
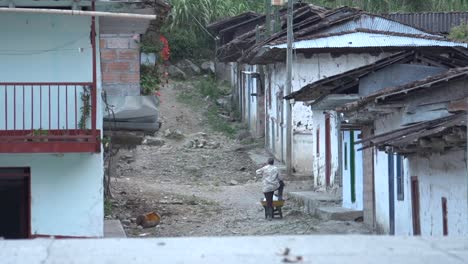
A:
[311,249]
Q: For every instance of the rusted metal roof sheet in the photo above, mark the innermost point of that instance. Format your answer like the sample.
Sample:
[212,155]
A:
[346,28]
[375,23]
[439,22]
[233,50]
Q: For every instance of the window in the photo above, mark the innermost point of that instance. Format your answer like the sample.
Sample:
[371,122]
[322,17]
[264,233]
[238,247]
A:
[400,178]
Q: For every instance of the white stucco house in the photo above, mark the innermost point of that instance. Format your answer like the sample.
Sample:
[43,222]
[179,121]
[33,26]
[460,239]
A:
[419,152]
[51,160]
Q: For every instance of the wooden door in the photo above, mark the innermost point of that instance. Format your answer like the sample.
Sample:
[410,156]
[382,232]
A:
[445,216]
[327,149]
[415,206]
[15,203]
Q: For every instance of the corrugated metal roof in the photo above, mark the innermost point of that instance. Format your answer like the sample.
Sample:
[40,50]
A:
[375,23]
[440,22]
[367,40]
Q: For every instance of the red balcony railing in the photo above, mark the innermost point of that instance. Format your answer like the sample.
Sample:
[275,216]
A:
[48,118]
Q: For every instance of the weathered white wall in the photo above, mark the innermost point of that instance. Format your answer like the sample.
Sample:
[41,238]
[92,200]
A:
[223,71]
[320,155]
[441,175]
[403,215]
[381,192]
[381,177]
[251,102]
[275,113]
[66,192]
[303,145]
[346,166]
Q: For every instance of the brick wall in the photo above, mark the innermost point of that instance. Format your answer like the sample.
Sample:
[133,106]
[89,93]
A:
[368,178]
[120,64]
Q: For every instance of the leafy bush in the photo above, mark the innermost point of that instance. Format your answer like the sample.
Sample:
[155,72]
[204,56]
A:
[188,44]
[459,33]
[209,87]
[186,30]
[149,80]
[148,45]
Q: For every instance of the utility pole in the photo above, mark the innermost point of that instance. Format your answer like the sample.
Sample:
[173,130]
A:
[289,55]
[268,18]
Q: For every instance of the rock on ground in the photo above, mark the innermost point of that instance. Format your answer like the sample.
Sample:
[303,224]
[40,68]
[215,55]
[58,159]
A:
[189,67]
[152,141]
[175,72]
[208,67]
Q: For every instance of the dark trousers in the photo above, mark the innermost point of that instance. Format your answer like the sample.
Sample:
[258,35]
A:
[269,195]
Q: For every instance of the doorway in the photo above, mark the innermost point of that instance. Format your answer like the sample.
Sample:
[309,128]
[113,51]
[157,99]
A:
[15,202]
[415,205]
[327,150]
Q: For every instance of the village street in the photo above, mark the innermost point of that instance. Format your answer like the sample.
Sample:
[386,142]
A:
[208,191]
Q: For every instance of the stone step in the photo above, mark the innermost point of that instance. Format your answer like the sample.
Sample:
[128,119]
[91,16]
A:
[337,213]
[312,200]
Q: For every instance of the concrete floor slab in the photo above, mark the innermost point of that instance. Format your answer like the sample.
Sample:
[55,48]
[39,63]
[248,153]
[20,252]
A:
[113,229]
[226,250]
[312,200]
[338,213]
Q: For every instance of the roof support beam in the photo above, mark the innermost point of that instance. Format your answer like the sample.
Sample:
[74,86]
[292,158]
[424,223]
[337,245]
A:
[75,13]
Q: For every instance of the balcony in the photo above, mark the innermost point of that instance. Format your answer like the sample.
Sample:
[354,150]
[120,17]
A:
[48,118]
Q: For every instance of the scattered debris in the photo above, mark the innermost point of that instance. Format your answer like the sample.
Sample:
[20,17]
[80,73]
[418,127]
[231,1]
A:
[125,222]
[293,260]
[173,134]
[286,252]
[128,158]
[234,182]
[152,141]
[202,143]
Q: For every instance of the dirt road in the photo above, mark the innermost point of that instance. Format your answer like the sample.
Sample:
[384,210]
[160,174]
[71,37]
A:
[202,184]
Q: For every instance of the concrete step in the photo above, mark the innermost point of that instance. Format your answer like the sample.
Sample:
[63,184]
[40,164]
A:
[337,213]
[298,177]
[312,200]
[114,229]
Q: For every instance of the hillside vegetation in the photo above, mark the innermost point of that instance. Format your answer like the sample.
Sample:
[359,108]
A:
[188,37]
